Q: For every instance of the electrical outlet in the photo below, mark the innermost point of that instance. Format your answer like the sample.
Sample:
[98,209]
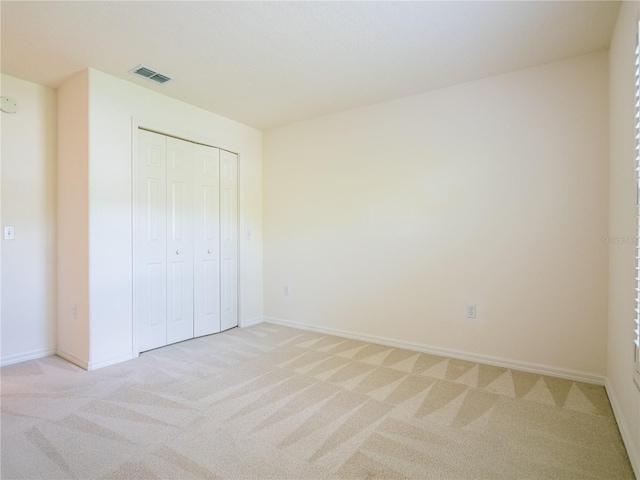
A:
[286,290]
[471,310]
[74,310]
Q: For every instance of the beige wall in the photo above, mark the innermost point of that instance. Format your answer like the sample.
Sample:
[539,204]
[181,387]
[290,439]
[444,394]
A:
[623,394]
[73,219]
[386,220]
[28,325]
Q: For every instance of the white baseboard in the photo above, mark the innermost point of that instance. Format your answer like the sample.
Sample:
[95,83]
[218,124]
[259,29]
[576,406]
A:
[109,361]
[70,357]
[23,357]
[87,365]
[251,322]
[574,375]
[632,449]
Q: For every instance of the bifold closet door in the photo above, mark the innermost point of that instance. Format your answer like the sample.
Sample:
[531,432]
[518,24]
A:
[185,240]
[180,162]
[206,274]
[229,239]
[150,254]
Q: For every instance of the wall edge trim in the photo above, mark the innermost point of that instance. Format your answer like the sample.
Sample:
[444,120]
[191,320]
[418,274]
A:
[575,375]
[110,361]
[23,357]
[627,439]
[70,357]
[250,322]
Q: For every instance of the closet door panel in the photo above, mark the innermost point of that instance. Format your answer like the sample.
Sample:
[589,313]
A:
[229,239]
[150,266]
[207,241]
[180,162]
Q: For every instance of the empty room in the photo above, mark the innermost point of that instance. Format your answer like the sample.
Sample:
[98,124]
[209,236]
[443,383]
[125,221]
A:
[291,240]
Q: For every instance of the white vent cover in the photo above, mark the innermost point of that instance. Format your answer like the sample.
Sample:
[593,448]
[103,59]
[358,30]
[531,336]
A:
[150,74]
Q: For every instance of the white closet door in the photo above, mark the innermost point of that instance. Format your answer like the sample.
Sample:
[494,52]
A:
[150,262]
[229,239]
[206,275]
[180,160]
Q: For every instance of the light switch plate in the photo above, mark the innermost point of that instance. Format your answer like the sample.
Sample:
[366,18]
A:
[9,233]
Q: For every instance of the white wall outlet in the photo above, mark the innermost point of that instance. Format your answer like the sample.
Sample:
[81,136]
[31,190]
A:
[471,310]
[248,234]
[9,233]
[74,310]
[286,290]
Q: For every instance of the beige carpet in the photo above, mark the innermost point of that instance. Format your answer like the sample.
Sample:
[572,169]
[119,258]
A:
[280,403]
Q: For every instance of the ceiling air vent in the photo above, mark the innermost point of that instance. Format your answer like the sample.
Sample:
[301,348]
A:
[150,74]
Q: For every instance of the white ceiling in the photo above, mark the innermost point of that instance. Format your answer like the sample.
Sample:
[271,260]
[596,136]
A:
[267,64]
